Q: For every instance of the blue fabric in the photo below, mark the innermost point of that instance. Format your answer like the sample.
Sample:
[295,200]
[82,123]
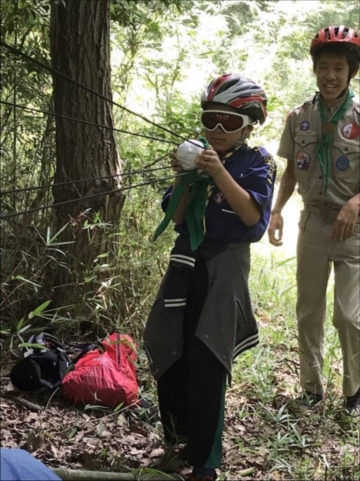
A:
[254,170]
[19,465]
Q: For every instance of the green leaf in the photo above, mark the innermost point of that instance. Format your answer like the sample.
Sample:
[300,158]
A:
[118,407]
[73,432]
[40,309]
[30,344]
[24,328]
[21,278]
[57,234]
[20,324]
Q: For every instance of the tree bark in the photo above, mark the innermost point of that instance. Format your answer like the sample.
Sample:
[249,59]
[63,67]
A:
[80,49]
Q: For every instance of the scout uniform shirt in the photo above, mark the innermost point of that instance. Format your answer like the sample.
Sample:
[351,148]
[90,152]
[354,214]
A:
[299,143]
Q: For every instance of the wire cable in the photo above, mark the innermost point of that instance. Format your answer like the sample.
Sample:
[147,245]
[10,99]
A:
[48,186]
[31,109]
[88,89]
[79,199]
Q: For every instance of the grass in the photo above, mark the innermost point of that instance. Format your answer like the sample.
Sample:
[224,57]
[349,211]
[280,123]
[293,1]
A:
[282,441]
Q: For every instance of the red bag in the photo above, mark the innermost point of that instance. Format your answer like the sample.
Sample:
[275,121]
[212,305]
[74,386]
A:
[107,378]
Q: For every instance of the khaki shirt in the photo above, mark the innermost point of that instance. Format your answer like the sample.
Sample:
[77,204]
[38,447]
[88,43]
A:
[299,144]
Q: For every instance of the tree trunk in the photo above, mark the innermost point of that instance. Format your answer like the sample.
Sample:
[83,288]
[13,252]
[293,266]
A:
[80,49]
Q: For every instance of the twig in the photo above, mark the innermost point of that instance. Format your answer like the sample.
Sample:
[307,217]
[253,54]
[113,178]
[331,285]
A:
[245,472]
[52,395]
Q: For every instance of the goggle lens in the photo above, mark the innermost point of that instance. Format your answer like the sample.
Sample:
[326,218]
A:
[229,121]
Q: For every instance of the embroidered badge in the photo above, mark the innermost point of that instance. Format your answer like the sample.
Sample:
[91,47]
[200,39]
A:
[350,131]
[342,163]
[305,125]
[303,160]
[219,197]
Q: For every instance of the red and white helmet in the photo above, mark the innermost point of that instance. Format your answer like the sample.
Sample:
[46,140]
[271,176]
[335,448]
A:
[238,92]
[348,37]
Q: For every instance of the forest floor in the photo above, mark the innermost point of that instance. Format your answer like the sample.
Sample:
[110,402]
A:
[266,437]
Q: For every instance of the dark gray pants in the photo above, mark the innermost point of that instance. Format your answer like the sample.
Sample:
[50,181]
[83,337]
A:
[192,391]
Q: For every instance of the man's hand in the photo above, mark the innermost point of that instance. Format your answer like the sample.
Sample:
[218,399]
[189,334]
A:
[275,230]
[346,220]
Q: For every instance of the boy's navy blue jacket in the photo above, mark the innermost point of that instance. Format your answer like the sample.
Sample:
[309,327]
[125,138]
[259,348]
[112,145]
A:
[226,325]
[254,170]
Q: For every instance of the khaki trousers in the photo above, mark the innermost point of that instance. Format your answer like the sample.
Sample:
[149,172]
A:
[316,253]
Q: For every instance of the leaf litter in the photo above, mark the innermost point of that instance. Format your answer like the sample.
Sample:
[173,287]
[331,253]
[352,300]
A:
[261,441]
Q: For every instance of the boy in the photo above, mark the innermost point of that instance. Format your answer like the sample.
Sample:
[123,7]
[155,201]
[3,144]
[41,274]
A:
[202,316]
[19,465]
[322,144]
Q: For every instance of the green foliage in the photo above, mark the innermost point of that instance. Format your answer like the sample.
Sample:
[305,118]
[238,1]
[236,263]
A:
[163,54]
[26,138]
[133,13]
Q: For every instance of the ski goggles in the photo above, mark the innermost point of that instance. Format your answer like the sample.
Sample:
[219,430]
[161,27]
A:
[230,122]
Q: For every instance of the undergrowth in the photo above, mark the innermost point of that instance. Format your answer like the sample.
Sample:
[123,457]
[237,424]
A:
[287,443]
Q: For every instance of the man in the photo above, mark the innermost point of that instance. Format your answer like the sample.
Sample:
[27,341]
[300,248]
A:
[321,143]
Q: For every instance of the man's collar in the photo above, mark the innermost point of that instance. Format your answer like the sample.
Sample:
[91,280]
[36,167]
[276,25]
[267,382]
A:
[339,100]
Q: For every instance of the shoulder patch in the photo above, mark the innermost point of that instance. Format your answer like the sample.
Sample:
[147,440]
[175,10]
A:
[268,158]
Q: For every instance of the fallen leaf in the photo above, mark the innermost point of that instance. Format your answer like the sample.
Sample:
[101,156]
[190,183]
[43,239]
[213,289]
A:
[156,453]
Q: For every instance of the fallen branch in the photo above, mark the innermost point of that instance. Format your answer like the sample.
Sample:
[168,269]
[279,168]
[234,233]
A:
[80,474]
[24,402]
[75,475]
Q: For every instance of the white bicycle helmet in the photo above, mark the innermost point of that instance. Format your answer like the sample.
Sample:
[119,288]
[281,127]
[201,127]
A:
[238,92]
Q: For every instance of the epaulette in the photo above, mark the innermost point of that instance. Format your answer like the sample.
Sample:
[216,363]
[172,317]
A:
[268,158]
[311,99]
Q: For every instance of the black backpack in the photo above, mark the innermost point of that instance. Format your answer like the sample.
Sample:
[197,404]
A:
[40,368]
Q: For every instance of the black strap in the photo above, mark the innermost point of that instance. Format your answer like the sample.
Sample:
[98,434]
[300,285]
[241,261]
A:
[85,350]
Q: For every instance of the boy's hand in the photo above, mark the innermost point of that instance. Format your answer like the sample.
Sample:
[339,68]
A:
[208,161]
[344,226]
[275,230]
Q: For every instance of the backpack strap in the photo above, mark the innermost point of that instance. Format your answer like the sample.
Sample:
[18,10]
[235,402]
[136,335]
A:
[85,350]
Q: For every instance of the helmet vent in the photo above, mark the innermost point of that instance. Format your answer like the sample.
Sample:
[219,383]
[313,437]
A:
[345,32]
[227,85]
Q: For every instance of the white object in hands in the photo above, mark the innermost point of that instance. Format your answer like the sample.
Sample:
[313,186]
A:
[187,152]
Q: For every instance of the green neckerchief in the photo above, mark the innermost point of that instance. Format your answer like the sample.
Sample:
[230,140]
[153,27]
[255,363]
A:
[195,212]
[325,140]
